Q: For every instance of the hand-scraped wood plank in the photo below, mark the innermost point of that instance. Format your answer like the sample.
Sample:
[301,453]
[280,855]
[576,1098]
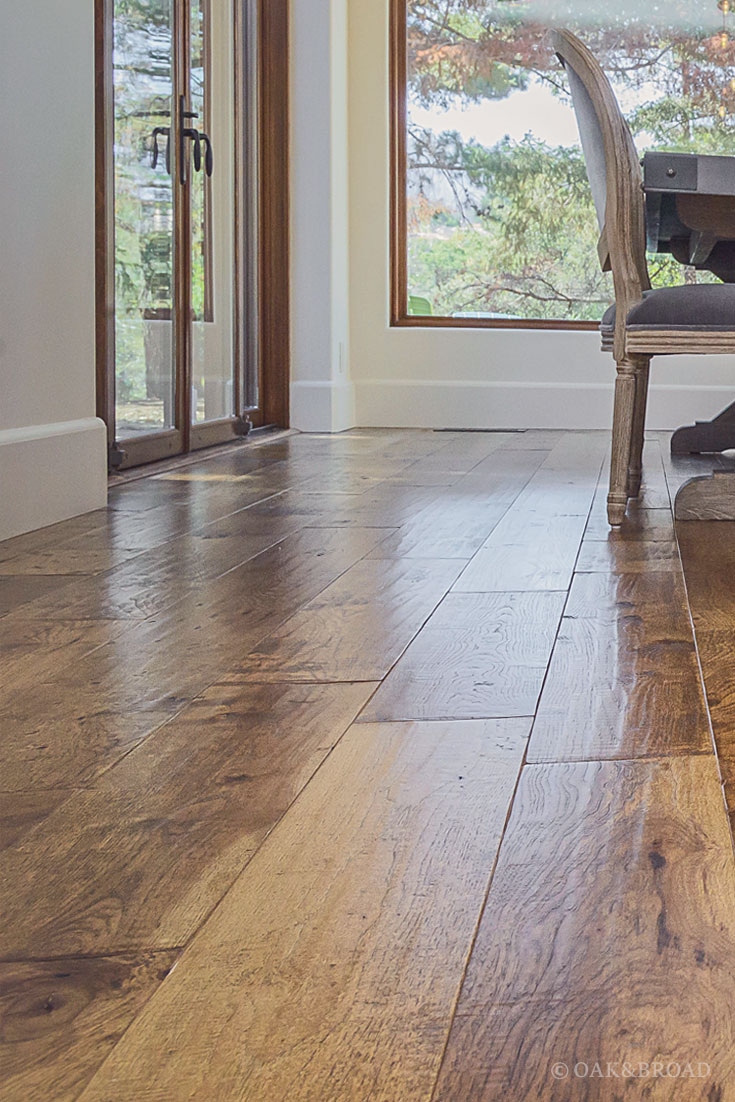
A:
[638,524]
[192,504]
[65,561]
[481,655]
[32,651]
[345,480]
[609,935]
[331,968]
[708,559]
[624,679]
[717,656]
[358,627]
[708,556]
[563,486]
[455,527]
[535,545]
[21,811]
[618,557]
[711,598]
[60,1018]
[53,534]
[121,595]
[610,597]
[727,768]
[554,494]
[15,592]
[69,729]
[609,695]
[576,454]
[162,576]
[454,459]
[387,506]
[525,553]
[139,860]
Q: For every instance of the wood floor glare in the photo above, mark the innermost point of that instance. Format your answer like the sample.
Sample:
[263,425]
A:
[370,766]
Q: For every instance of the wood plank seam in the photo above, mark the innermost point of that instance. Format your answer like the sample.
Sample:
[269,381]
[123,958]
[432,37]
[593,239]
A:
[475,933]
[509,811]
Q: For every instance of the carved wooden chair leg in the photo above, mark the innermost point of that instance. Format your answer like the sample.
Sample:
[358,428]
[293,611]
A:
[625,389]
[635,466]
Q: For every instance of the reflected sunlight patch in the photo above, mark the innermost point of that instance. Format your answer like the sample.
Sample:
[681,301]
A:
[174,477]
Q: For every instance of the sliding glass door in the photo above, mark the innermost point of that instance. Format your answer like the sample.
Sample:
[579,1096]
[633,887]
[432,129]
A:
[182,338]
[144,198]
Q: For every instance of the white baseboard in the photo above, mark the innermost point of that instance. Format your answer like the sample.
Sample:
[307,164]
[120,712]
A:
[322,406]
[409,403]
[52,472]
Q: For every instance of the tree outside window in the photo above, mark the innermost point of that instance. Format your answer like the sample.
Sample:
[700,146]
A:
[499,213]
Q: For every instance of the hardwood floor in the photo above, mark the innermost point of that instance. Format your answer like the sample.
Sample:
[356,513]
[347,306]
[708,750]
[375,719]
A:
[359,915]
[609,921]
[369,767]
[182,814]
[623,681]
[62,1017]
[480,655]
[708,555]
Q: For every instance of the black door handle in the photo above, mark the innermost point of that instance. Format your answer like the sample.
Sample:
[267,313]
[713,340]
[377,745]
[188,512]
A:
[199,138]
[208,154]
[196,137]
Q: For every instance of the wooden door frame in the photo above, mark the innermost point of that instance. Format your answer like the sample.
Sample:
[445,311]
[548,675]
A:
[273,259]
[273,211]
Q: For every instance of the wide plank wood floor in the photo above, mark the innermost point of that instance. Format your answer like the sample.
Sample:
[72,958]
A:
[708,555]
[369,767]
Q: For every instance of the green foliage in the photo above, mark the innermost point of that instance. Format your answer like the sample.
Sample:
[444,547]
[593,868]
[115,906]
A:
[525,239]
[511,230]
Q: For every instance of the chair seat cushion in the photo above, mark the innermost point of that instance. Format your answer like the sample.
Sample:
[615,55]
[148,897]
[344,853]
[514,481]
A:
[698,306]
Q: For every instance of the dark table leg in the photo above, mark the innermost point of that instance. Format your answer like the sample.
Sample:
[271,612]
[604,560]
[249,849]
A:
[706,436]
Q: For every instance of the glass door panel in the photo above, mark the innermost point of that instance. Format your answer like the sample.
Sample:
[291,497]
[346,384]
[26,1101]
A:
[180,211]
[212,211]
[143,88]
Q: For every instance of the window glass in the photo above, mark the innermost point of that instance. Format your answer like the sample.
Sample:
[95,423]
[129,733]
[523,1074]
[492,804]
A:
[501,222]
[144,222]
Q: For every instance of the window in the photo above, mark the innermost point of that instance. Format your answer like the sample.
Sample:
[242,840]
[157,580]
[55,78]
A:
[493,221]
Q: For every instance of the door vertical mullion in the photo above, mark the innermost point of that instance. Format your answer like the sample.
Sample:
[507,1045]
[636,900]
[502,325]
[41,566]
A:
[182,224]
[247,185]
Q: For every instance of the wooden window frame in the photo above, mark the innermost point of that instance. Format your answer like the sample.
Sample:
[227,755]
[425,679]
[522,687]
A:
[272,264]
[399,316]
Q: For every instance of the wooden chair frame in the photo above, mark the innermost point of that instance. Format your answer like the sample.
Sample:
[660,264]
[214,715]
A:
[622,250]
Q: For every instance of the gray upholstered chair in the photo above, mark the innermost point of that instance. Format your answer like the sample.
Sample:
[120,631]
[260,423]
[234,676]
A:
[643,322]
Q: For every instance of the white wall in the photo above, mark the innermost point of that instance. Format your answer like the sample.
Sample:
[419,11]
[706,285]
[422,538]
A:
[52,447]
[321,395]
[465,377]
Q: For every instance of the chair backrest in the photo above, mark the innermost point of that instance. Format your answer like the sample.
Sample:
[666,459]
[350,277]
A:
[614,173]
